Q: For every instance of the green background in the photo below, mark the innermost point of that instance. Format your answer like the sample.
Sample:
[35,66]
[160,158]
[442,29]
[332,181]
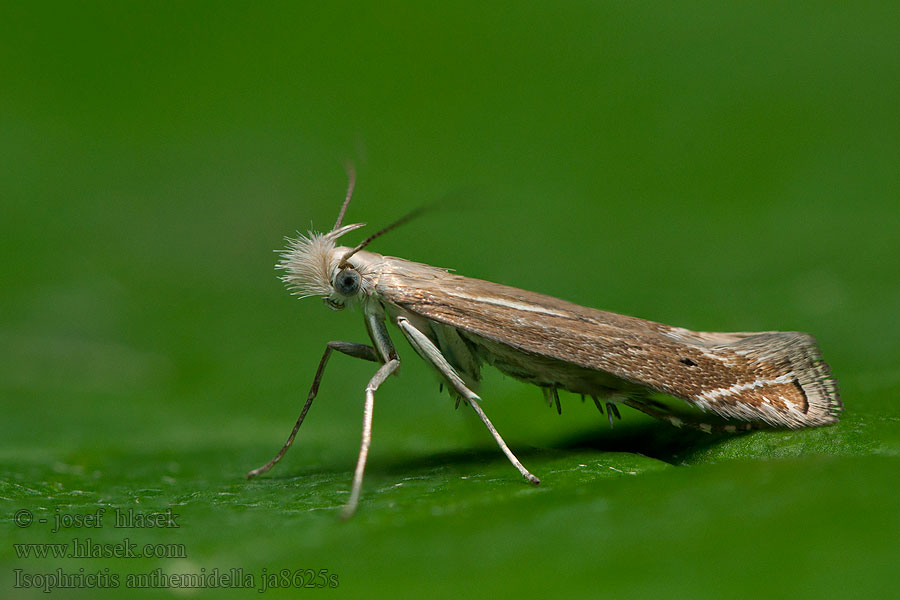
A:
[718,166]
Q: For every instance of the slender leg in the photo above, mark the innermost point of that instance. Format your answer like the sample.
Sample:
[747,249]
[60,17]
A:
[383,373]
[512,457]
[349,348]
[427,350]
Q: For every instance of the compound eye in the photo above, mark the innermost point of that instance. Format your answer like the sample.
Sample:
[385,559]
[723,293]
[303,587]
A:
[347,282]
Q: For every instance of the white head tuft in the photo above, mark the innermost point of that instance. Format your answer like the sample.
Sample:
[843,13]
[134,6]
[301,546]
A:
[310,262]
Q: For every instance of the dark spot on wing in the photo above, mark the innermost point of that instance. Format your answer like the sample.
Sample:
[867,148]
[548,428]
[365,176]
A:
[688,362]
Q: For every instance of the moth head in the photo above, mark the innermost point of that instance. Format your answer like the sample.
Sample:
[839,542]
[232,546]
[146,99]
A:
[314,265]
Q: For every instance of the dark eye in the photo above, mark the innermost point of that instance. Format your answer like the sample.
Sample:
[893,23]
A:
[347,282]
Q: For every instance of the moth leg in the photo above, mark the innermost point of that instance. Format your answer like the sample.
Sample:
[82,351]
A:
[551,395]
[350,349]
[383,373]
[611,410]
[427,350]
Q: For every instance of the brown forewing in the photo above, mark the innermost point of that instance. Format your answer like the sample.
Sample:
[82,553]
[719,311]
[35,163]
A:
[711,370]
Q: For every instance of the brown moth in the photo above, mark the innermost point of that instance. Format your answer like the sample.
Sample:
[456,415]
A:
[456,324]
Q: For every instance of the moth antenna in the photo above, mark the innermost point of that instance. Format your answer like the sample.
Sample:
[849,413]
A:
[351,183]
[404,219]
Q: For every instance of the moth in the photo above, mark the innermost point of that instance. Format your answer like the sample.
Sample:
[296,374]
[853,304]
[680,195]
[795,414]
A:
[457,324]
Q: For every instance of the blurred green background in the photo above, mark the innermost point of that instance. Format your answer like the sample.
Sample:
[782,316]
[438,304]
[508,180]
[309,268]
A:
[718,166]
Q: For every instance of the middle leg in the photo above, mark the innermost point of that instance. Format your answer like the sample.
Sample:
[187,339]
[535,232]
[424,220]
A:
[427,350]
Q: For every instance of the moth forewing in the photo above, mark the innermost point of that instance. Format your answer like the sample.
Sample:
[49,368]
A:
[457,323]
[775,377]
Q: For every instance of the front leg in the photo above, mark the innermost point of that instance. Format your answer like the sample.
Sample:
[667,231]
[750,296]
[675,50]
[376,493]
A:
[350,349]
[383,373]
[427,350]
[384,349]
